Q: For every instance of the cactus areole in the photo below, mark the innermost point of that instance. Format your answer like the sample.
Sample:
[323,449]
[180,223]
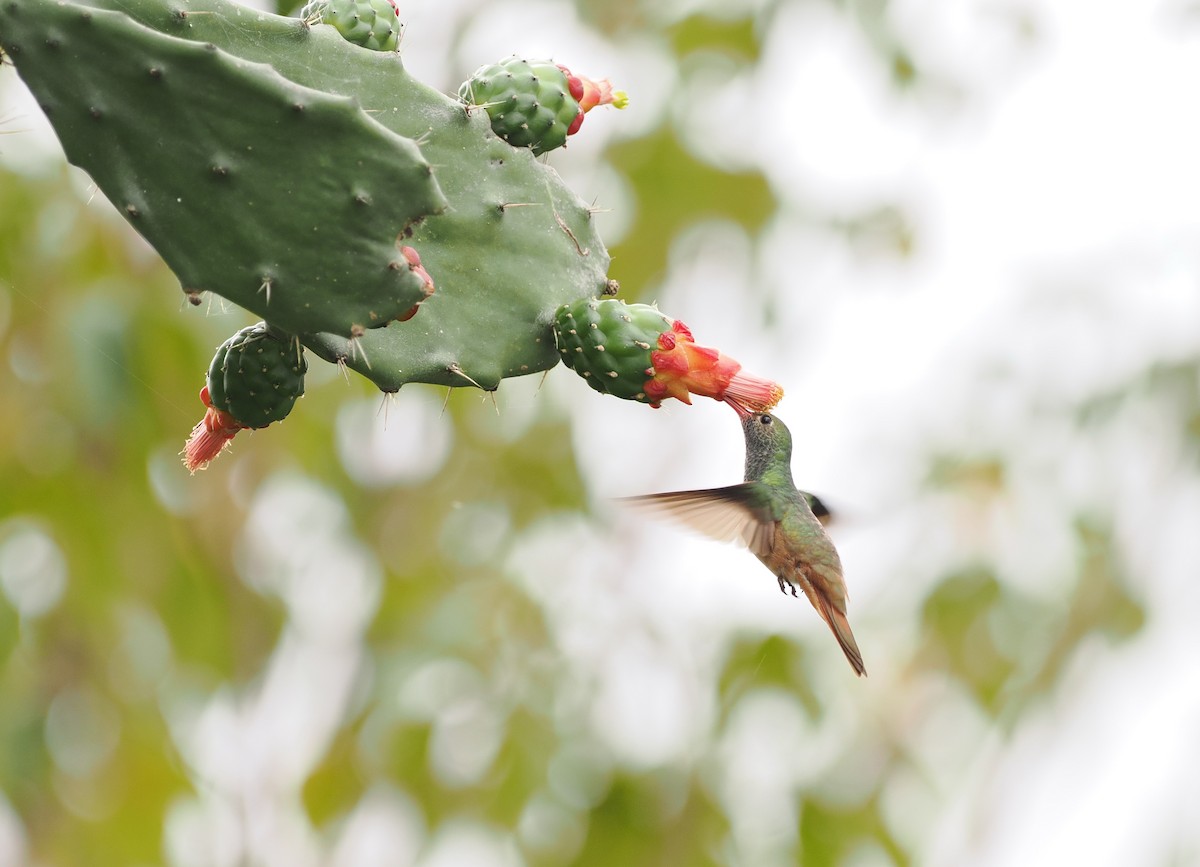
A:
[633,351]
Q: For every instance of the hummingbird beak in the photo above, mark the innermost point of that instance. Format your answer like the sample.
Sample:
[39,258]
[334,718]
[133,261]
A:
[741,409]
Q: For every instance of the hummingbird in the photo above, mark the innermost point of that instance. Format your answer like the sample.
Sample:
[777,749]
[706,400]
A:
[781,524]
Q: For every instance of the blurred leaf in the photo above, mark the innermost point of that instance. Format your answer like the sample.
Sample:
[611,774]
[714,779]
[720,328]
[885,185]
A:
[10,630]
[545,453]
[406,761]
[102,361]
[829,835]
[520,767]
[904,70]
[24,762]
[754,663]
[612,17]
[337,783]
[736,37]
[678,191]
[1100,602]
[881,230]
[216,624]
[638,824]
[958,637]
[982,476]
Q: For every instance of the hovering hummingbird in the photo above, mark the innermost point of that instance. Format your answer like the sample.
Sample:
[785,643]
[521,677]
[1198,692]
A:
[779,523]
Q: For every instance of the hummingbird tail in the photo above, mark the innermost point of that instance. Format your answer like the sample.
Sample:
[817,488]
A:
[841,631]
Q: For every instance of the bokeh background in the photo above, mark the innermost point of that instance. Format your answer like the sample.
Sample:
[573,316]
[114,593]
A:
[964,234]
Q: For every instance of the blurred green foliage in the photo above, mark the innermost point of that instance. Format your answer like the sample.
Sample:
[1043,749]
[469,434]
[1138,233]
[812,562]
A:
[158,612]
[679,190]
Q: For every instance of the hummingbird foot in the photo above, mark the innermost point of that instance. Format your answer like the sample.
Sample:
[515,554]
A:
[785,585]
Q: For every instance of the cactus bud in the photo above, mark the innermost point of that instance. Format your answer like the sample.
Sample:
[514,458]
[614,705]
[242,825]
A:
[634,352]
[535,103]
[254,380]
[373,24]
[413,261]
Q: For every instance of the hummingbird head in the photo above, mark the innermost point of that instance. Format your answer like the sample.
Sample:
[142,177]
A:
[768,441]
[764,428]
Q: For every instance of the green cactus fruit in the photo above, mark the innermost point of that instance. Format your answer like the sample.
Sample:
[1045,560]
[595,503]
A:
[529,102]
[633,351]
[373,24]
[256,375]
[609,344]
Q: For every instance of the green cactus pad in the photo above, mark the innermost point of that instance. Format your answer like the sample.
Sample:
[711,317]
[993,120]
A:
[609,342]
[257,375]
[284,199]
[502,238]
[529,102]
[373,24]
[492,313]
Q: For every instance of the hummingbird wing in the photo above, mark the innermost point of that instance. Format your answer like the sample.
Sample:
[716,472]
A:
[820,511]
[746,513]
[738,513]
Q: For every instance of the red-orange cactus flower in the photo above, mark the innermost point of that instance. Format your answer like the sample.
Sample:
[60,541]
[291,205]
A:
[210,436]
[682,368]
[589,94]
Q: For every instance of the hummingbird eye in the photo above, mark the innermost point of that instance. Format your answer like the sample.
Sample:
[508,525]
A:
[765,419]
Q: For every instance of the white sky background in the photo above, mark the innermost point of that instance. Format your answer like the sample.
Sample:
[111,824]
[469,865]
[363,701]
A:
[1055,189]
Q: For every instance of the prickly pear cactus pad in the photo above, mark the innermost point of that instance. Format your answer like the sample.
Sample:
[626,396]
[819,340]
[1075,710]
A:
[285,168]
[229,169]
[536,103]
[373,24]
[634,352]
